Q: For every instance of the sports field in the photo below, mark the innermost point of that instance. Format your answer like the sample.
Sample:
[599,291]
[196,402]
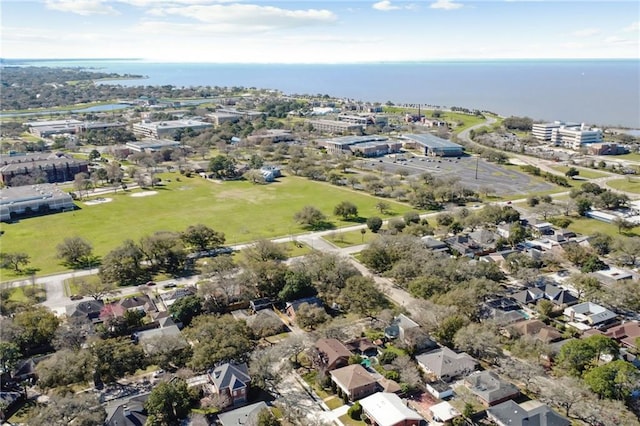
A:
[243,211]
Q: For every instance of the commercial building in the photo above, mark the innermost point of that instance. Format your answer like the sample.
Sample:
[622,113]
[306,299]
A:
[364,119]
[544,131]
[151,145]
[433,145]
[272,135]
[219,118]
[575,137]
[45,167]
[167,129]
[364,146]
[29,199]
[45,129]
[606,149]
[333,126]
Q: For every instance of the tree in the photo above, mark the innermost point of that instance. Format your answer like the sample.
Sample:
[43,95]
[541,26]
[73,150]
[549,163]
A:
[122,265]
[396,225]
[545,308]
[577,356]
[218,339]
[361,296]
[36,328]
[346,209]
[14,260]
[623,224]
[264,250]
[587,286]
[95,288]
[374,223]
[564,391]
[82,409]
[263,324]
[311,217]
[627,250]
[614,380]
[202,238]
[186,308]
[169,402]
[310,316]
[583,205]
[169,353]
[480,340]
[116,358]
[572,172]
[255,177]
[64,368]
[297,285]
[411,217]
[601,243]
[223,167]
[446,331]
[81,183]
[164,250]
[383,207]
[75,251]
[9,356]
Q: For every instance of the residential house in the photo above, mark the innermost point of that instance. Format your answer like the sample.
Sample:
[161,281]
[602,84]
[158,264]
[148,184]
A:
[127,411]
[399,326]
[231,380]
[500,258]
[387,409]
[434,245]
[260,304]
[540,227]
[159,339]
[490,389]
[333,354]
[362,346]
[291,307]
[588,314]
[529,413]
[172,297]
[439,389]
[613,275]
[242,416]
[354,381]
[628,334]
[464,246]
[549,292]
[537,330]
[485,239]
[142,304]
[446,364]
[418,340]
[443,412]
[86,310]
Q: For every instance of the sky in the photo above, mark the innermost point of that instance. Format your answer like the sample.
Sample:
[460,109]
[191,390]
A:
[330,31]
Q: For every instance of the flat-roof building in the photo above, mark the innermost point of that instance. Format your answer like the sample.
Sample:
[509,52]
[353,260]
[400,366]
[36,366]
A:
[44,129]
[544,131]
[575,137]
[29,199]
[364,119]
[365,146]
[433,145]
[151,145]
[219,118]
[167,129]
[333,126]
[47,167]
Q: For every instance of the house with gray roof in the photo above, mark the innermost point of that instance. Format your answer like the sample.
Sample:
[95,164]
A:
[490,389]
[232,380]
[588,314]
[446,364]
[529,413]
[127,411]
[243,415]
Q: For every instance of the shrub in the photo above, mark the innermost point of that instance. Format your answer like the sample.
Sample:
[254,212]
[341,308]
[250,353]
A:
[355,411]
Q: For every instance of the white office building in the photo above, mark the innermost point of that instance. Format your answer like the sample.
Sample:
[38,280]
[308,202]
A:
[167,129]
[575,137]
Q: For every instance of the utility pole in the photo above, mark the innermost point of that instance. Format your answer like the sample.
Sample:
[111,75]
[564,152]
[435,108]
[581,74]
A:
[477,160]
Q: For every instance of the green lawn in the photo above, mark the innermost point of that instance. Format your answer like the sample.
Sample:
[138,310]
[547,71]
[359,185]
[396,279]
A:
[588,226]
[584,173]
[27,294]
[629,184]
[348,421]
[296,249]
[334,403]
[352,238]
[634,156]
[243,211]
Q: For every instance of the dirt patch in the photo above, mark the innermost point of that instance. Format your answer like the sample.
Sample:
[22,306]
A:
[98,201]
[144,193]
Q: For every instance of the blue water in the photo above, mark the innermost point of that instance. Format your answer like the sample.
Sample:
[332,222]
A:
[599,92]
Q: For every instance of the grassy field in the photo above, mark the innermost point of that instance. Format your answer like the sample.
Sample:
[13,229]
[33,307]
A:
[588,226]
[352,238]
[634,156]
[628,185]
[243,211]
[585,173]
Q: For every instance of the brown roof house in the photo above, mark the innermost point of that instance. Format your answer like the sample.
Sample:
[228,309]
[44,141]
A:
[333,354]
[490,389]
[627,333]
[536,329]
[362,346]
[354,381]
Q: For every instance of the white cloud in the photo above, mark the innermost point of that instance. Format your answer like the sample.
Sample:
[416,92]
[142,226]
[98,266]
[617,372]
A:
[385,6]
[247,17]
[634,27]
[587,32]
[619,40]
[81,7]
[446,5]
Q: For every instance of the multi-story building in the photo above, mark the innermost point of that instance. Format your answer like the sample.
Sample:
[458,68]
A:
[41,167]
[333,126]
[544,131]
[44,129]
[575,137]
[364,119]
[33,199]
[167,129]
[365,146]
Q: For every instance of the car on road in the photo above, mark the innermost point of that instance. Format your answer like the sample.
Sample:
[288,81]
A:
[170,285]
[150,283]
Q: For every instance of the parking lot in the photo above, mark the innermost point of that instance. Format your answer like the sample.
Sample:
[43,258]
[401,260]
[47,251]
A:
[500,180]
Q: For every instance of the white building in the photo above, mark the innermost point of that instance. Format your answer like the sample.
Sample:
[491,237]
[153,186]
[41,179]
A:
[575,137]
[167,129]
[387,409]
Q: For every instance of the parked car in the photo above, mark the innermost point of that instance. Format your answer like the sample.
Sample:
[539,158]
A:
[150,283]
[75,297]
[170,285]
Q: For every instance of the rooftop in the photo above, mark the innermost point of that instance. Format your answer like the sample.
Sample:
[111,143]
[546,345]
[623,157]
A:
[431,141]
[387,409]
